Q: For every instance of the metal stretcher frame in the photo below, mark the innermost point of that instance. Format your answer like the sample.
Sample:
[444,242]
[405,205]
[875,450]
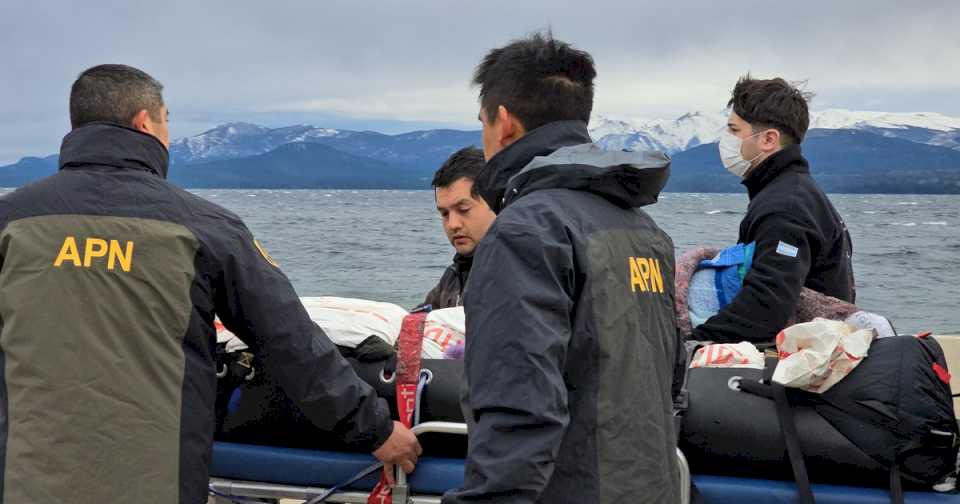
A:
[258,490]
[401,490]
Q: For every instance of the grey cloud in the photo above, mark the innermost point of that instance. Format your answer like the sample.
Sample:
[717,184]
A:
[362,62]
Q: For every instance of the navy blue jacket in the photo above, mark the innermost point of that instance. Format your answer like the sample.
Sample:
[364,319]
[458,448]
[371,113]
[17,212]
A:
[801,242]
[569,310]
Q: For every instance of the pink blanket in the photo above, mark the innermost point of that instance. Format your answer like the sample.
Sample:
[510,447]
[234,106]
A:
[812,304]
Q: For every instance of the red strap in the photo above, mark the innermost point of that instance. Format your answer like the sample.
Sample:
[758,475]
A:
[924,335]
[942,373]
[409,346]
[381,493]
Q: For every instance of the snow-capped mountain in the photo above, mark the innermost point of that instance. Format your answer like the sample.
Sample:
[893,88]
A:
[238,139]
[241,140]
[697,128]
[848,119]
[850,152]
[682,133]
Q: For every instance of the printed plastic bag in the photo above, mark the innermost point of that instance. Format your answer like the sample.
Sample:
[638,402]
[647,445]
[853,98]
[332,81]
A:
[231,342]
[816,355]
[441,330]
[728,355]
[348,322]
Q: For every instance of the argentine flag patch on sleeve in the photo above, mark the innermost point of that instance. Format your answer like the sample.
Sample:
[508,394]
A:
[784,248]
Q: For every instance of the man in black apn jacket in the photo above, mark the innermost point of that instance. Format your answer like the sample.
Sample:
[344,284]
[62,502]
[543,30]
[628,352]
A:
[110,279]
[466,218]
[570,322]
[801,240]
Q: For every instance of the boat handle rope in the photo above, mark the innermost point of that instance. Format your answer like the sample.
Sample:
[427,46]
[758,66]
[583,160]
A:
[426,376]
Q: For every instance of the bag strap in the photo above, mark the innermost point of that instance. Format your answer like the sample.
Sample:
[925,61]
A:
[681,402]
[896,484]
[788,428]
[769,366]
[790,437]
[409,346]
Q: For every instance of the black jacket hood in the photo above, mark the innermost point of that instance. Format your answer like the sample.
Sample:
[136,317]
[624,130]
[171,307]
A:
[561,155]
[110,144]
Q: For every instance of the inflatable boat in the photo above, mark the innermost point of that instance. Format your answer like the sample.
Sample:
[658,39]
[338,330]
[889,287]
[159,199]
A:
[288,459]
[269,458]
[243,472]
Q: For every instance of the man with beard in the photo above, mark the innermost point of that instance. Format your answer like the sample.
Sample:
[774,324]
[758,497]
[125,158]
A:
[466,218]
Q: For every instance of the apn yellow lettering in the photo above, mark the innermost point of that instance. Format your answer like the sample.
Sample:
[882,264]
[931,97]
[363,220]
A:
[645,274]
[644,266]
[92,249]
[95,247]
[68,252]
[635,278]
[656,278]
[116,254]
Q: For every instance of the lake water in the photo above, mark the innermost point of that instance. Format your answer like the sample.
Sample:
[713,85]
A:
[389,245]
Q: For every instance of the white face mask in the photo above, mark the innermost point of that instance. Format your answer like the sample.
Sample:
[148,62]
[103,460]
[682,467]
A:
[730,154]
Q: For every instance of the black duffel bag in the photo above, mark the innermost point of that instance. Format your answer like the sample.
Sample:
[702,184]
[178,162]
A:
[891,417]
[254,409]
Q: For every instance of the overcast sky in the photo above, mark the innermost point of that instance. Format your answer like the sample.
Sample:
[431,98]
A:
[402,65]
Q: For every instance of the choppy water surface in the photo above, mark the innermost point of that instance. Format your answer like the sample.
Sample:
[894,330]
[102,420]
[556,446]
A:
[389,246]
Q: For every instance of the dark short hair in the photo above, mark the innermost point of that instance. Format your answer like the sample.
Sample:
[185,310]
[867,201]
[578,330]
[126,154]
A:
[772,103]
[114,93]
[538,79]
[465,163]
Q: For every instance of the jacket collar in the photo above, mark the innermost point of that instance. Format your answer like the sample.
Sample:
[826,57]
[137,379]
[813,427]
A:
[462,263]
[492,180]
[560,155]
[788,159]
[113,145]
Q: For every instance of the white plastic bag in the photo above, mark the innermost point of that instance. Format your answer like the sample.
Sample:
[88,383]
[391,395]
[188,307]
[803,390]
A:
[816,355]
[867,320]
[233,343]
[441,330]
[728,355]
[346,321]
[349,321]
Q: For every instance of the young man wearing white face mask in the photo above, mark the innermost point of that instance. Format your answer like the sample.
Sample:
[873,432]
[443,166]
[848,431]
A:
[801,240]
